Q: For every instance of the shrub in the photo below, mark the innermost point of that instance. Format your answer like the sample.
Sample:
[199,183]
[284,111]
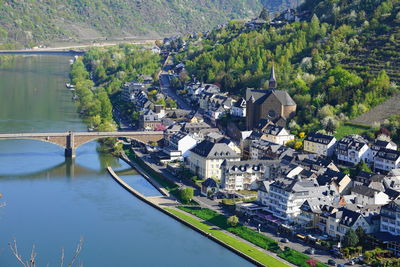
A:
[232,221]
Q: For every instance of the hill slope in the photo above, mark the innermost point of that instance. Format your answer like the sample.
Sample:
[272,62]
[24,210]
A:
[27,21]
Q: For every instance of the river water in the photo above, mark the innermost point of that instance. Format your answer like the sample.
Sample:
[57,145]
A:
[52,202]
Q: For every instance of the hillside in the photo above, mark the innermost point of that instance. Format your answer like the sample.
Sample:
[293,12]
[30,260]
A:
[338,62]
[27,21]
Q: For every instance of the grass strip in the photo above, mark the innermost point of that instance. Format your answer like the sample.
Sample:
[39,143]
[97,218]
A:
[241,246]
[260,240]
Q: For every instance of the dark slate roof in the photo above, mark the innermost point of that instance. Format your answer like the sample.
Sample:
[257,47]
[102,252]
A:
[176,137]
[241,103]
[364,190]
[392,206]
[273,129]
[355,142]
[346,217]
[259,96]
[393,194]
[210,149]
[209,183]
[329,176]
[388,154]
[261,124]
[319,138]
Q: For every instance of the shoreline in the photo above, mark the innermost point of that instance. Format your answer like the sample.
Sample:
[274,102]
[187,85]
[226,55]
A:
[173,216]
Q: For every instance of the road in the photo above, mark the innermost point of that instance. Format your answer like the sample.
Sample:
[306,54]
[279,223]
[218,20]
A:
[74,47]
[166,89]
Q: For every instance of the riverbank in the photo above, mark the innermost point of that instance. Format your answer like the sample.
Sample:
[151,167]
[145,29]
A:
[251,236]
[167,206]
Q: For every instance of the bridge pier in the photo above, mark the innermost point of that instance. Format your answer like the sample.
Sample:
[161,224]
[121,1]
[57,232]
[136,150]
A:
[70,153]
[70,146]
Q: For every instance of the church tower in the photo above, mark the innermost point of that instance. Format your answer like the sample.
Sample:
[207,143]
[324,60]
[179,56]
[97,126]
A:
[272,79]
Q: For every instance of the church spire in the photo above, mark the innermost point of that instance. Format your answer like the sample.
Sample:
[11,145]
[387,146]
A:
[272,79]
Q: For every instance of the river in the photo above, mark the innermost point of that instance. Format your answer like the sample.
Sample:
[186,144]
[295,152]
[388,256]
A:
[52,202]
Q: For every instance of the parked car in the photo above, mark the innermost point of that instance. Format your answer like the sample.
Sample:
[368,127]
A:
[285,240]
[340,265]
[310,251]
[332,262]
[351,262]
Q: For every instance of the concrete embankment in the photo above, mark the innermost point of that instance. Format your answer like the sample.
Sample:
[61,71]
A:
[139,169]
[158,204]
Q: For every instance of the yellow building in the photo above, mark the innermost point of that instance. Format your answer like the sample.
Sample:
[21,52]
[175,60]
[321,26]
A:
[320,144]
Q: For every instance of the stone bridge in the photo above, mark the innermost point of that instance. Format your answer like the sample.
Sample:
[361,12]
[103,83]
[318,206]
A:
[72,140]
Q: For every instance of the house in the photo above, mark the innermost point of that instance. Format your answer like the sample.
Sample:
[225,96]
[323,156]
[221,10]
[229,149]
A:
[286,195]
[386,160]
[182,142]
[382,144]
[277,134]
[272,104]
[206,158]
[338,179]
[149,120]
[320,144]
[365,195]
[314,214]
[263,149]
[209,187]
[390,226]
[342,220]
[243,175]
[353,149]
[239,108]
[195,127]
[392,179]
[130,89]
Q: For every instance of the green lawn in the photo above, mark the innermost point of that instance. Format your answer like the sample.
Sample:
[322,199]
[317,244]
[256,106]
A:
[348,128]
[243,247]
[260,240]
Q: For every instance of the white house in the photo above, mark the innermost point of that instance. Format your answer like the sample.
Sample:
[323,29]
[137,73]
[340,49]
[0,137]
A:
[182,142]
[386,160]
[320,144]
[239,108]
[341,221]
[277,134]
[353,149]
[205,158]
[390,226]
[285,196]
[243,175]
[365,195]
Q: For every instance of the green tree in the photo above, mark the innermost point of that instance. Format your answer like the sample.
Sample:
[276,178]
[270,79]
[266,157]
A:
[330,127]
[264,14]
[350,239]
[232,221]
[362,166]
[186,194]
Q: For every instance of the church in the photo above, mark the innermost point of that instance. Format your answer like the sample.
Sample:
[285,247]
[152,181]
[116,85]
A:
[269,106]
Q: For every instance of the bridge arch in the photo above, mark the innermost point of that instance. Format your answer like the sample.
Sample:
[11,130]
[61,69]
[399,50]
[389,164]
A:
[72,140]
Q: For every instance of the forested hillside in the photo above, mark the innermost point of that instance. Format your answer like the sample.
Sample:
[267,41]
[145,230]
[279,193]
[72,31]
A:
[336,64]
[38,21]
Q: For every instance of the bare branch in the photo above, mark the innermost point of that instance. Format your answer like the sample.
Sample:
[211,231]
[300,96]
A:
[62,257]
[77,251]
[14,250]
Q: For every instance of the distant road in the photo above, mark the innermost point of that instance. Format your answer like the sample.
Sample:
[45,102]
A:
[76,49]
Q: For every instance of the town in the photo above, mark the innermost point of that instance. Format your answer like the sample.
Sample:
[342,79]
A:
[275,136]
[337,195]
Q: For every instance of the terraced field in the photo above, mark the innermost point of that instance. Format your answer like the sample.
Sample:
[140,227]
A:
[381,112]
[377,52]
